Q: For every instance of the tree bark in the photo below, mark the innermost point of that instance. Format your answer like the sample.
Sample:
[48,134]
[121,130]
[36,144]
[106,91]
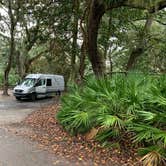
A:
[139,50]
[84,43]
[107,44]
[111,64]
[95,14]
[30,40]
[19,63]
[30,61]
[82,60]
[11,51]
[74,43]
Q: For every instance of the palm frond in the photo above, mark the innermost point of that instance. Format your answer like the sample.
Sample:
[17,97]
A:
[112,121]
[153,158]
[135,103]
[147,116]
[148,133]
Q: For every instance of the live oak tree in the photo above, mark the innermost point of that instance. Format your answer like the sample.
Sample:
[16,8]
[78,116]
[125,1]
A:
[118,31]
[97,10]
[139,49]
[12,8]
[41,23]
[33,34]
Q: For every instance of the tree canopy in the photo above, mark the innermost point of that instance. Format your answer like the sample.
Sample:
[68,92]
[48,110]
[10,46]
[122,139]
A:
[77,38]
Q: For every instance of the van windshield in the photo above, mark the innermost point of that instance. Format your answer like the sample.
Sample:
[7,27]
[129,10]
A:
[29,82]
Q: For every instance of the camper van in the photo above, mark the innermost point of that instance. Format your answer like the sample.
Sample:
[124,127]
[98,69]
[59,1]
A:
[38,86]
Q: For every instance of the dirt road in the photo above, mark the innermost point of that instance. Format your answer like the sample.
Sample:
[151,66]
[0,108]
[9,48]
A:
[15,150]
[13,111]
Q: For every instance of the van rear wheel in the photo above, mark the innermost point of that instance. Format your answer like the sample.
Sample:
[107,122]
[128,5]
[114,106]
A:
[58,92]
[33,97]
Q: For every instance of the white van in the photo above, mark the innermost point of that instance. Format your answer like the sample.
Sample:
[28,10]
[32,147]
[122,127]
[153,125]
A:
[39,85]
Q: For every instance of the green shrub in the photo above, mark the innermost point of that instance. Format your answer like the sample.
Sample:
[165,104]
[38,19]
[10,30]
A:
[1,79]
[13,79]
[122,104]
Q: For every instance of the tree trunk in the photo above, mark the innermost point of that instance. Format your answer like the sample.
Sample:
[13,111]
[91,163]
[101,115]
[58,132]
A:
[95,14]
[139,50]
[84,44]
[19,63]
[82,60]
[8,67]
[30,61]
[11,51]
[74,43]
[107,45]
[97,9]
[111,65]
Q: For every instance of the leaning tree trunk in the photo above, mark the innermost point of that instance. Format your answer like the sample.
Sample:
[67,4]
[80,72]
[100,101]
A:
[74,42]
[83,54]
[19,63]
[139,50]
[95,14]
[11,51]
[29,62]
[82,60]
[8,67]
[107,45]
[6,73]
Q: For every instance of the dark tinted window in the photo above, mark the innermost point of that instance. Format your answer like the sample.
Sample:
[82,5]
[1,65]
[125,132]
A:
[49,82]
[40,82]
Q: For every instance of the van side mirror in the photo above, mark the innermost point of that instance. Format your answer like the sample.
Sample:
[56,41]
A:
[35,85]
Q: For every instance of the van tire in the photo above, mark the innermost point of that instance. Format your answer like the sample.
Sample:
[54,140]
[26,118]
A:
[18,98]
[58,92]
[33,97]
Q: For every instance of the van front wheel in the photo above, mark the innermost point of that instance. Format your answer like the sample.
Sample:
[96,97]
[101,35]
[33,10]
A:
[33,97]
[18,98]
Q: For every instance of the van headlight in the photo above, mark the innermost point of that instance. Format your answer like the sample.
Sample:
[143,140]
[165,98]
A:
[25,91]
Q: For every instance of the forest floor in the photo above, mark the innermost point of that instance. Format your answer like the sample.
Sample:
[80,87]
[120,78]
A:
[43,128]
[24,121]
[16,150]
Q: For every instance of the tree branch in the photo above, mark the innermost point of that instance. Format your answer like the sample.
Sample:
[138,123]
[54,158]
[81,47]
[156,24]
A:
[160,22]
[144,5]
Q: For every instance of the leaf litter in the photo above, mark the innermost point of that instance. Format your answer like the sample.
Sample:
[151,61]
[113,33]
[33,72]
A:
[43,127]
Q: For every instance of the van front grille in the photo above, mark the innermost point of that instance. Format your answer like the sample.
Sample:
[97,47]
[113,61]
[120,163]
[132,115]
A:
[19,90]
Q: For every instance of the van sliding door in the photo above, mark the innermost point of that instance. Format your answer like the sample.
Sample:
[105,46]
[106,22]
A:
[41,88]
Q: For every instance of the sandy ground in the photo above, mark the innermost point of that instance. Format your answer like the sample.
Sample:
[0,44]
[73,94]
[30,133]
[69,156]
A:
[18,151]
[13,111]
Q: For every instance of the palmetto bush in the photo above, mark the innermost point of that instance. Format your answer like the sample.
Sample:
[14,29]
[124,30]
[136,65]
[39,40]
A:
[122,104]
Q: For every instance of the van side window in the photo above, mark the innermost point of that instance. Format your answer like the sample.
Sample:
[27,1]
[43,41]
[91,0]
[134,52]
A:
[41,82]
[49,82]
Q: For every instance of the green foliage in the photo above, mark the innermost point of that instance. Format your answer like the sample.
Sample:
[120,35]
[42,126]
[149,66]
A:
[1,79]
[110,2]
[122,104]
[13,79]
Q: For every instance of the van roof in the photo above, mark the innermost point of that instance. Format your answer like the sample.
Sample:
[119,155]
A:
[36,76]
